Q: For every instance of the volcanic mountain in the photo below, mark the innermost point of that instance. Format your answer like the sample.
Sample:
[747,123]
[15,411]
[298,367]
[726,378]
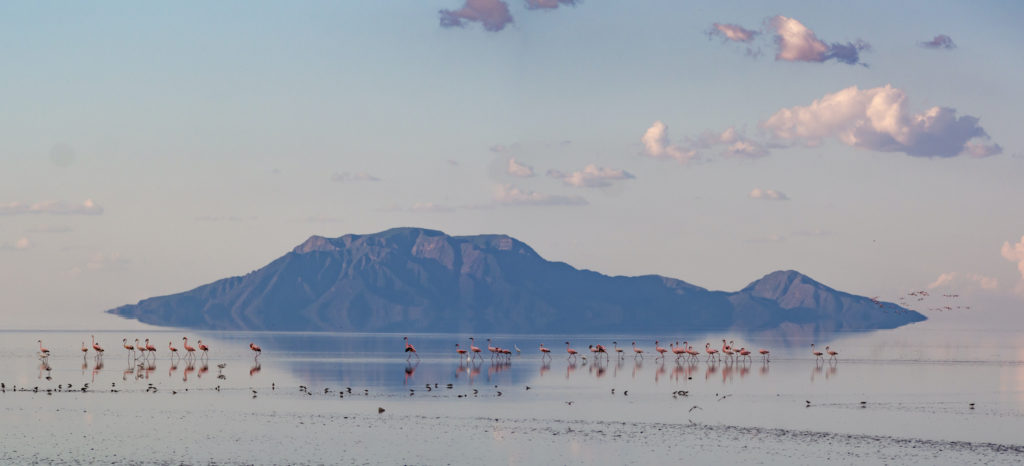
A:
[418,280]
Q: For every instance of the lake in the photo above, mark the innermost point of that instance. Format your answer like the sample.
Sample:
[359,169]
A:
[921,394]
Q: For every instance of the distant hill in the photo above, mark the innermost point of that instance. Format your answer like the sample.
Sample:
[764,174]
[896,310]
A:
[418,280]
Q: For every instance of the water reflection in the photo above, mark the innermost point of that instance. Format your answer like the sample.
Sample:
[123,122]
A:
[255,369]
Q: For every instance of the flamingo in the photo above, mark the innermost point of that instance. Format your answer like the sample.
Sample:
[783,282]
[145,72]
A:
[832,354]
[475,349]
[459,351]
[617,349]
[203,347]
[130,348]
[174,351]
[726,350]
[544,352]
[494,350]
[255,349]
[601,350]
[661,351]
[410,349]
[744,353]
[84,350]
[96,347]
[568,349]
[190,349]
[712,353]
[150,348]
[637,352]
[43,352]
[678,350]
[764,354]
[817,354]
[694,355]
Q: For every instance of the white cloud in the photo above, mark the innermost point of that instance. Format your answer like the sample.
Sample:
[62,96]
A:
[768,195]
[346,177]
[940,41]
[511,195]
[88,207]
[797,42]
[1015,253]
[964,280]
[732,32]
[592,176]
[521,170]
[657,145]
[879,119]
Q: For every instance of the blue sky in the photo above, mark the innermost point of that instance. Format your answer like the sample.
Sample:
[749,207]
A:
[151,148]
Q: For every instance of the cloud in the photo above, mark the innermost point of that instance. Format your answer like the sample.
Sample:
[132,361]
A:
[511,195]
[940,41]
[964,280]
[548,4]
[492,14]
[88,207]
[100,261]
[978,150]
[768,195]
[879,119]
[592,176]
[796,42]
[1015,253]
[657,145]
[732,32]
[521,170]
[346,177]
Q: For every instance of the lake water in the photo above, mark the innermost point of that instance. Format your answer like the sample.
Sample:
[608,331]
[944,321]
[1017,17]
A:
[895,396]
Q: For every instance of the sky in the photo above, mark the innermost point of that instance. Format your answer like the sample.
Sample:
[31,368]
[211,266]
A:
[149,148]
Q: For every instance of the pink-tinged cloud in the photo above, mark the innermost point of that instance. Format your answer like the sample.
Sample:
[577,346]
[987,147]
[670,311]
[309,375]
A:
[879,119]
[521,170]
[940,41]
[964,281]
[733,32]
[768,195]
[1015,253]
[492,14]
[511,195]
[796,42]
[592,176]
[548,4]
[657,145]
[87,207]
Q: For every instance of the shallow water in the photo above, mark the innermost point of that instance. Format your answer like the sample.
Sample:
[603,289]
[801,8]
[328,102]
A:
[916,383]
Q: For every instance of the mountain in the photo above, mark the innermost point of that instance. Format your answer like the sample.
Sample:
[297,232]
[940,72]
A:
[418,280]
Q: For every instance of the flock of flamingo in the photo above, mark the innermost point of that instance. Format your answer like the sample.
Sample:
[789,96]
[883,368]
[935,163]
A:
[143,351]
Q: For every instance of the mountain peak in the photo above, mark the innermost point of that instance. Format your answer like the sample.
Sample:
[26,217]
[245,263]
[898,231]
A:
[313,244]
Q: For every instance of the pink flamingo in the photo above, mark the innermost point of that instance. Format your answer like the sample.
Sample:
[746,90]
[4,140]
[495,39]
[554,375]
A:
[678,350]
[545,352]
[694,355]
[150,348]
[618,350]
[203,348]
[140,348]
[493,349]
[744,353]
[191,350]
[661,351]
[712,353]
[832,354]
[410,349]
[764,354]
[475,349]
[637,352]
[255,349]
[461,352]
[130,348]
[726,350]
[43,352]
[84,350]
[174,351]
[96,347]
[568,349]
[817,354]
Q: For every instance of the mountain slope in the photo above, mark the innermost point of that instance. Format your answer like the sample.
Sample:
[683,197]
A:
[411,279]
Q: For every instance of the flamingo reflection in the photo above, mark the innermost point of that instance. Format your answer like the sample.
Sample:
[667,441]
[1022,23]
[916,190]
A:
[545,367]
[255,369]
[410,370]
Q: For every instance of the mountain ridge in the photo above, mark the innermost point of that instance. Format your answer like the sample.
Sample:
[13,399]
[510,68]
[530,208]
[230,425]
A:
[414,279]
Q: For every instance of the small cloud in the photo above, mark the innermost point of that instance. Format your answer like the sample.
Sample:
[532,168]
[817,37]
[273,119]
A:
[964,280]
[768,195]
[940,41]
[521,170]
[88,207]
[492,14]
[657,145]
[346,177]
[1015,253]
[511,195]
[100,261]
[796,42]
[879,119]
[592,176]
[548,4]
[732,32]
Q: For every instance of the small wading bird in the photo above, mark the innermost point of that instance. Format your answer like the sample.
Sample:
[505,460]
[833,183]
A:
[817,354]
[832,354]
[203,348]
[255,349]
[96,347]
[545,352]
[43,352]
[764,354]
[572,352]
[191,350]
[410,349]
[637,352]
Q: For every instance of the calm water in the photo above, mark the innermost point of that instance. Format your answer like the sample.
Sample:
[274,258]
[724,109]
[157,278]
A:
[917,382]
